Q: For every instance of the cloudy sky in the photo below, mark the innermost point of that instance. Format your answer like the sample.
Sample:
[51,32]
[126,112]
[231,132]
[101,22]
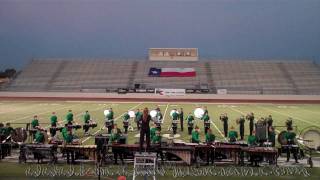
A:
[227,29]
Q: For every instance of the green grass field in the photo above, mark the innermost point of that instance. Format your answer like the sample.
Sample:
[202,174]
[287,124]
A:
[304,115]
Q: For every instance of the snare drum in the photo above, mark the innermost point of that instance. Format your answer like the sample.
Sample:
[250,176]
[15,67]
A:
[125,123]
[174,123]
[207,124]
[108,123]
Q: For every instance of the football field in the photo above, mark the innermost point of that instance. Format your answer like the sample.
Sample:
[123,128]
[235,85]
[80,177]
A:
[20,112]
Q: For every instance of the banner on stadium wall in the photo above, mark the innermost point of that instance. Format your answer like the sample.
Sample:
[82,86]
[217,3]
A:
[222,91]
[172,92]
[172,72]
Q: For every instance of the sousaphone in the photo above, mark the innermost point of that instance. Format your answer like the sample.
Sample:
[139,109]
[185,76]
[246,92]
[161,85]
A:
[198,113]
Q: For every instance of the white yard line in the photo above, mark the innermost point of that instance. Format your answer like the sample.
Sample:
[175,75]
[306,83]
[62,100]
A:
[114,120]
[288,115]
[30,116]
[165,112]
[222,135]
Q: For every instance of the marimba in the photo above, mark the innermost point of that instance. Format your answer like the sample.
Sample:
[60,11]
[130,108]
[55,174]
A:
[40,151]
[87,151]
[269,153]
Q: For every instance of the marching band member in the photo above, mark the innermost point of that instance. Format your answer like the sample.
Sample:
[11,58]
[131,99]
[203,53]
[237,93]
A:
[272,135]
[269,121]
[195,135]
[156,140]
[86,120]
[181,118]
[53,122]
[224,118]
[110,118]
[206,112]
[69,117]
[232,135]
[289,123]
[35,122]
[175,116]
[8,130]
[68,139]
[153,131]
[145,129]
[290,136]
[39,137]
[159,118]
[34,125]
[252,141]
[206,122]
[210,138]
[250,118]
[125,119]
[115,139]
[138,118]
[190,120]
[5,133]
[241,127]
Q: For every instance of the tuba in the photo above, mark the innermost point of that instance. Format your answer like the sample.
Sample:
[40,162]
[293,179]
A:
[198,113]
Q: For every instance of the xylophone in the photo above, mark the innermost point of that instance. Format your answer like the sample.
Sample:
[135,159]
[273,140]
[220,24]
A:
[40,151]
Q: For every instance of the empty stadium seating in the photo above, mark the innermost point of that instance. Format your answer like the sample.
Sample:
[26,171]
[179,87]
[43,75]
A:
[238,77]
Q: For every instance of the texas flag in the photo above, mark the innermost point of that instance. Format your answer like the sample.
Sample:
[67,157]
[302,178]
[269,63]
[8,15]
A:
[172,72]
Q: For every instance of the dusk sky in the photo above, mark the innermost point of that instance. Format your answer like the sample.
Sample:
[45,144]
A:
[221,29]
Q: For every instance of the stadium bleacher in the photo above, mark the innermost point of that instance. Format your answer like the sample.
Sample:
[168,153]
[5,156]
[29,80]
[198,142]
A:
[237,77]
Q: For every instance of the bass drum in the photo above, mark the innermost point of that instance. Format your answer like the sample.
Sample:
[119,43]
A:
[311,137]
[281,138]
[19,135]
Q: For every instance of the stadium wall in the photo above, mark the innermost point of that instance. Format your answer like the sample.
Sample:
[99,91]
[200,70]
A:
[145,97]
